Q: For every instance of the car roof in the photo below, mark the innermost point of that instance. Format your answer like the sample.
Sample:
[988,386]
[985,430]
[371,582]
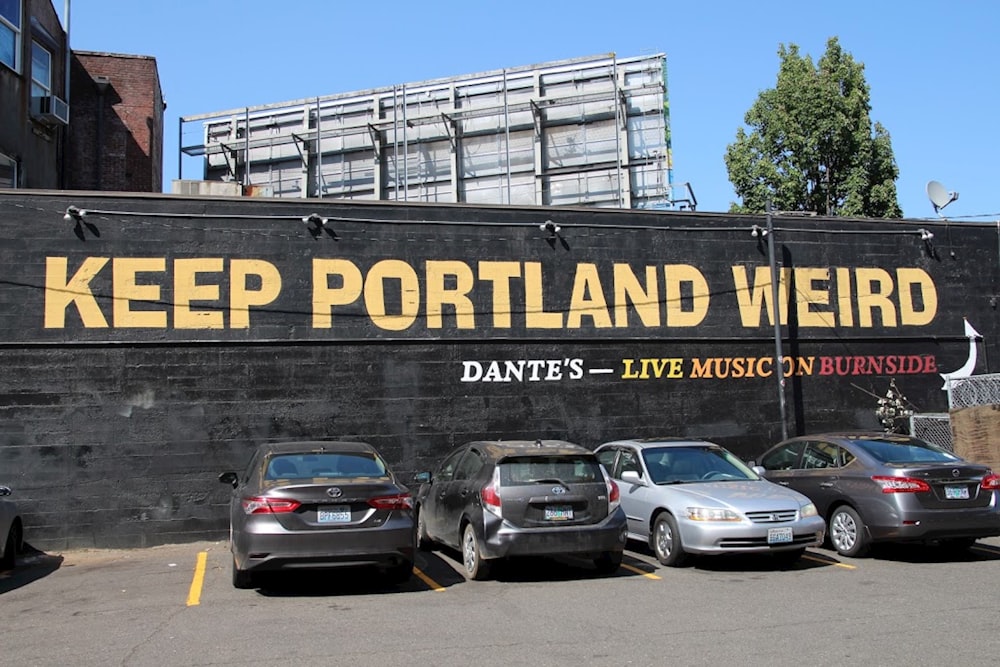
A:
[848,436]
[498,449]
[315,446]
[670,441]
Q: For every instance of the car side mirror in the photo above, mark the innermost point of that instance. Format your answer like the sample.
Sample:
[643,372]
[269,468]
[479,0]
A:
[422,478]
[5,491]
[760,470]
[632,477]
[230,478]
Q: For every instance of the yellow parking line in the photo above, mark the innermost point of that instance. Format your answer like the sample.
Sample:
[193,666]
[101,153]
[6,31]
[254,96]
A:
[194,595]
[648,575]
[434,586]
[829,562]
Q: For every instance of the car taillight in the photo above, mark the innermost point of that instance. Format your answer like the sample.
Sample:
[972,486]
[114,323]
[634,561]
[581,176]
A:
[265,505]
[490,495]
[891,484]
[399,501]
[614,495]
[991,483]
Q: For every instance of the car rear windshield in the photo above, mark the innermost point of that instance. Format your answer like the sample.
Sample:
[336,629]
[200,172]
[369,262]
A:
[564,468]
[325,464]
[905,450]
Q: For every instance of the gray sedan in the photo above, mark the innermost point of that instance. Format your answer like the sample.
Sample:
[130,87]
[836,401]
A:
[319,505]
[694,497]
[882,487]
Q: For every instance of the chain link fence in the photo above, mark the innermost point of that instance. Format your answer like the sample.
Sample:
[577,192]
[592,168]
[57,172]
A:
[967,392]
[975,390]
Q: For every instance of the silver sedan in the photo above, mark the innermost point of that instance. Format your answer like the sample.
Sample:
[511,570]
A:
[687,497]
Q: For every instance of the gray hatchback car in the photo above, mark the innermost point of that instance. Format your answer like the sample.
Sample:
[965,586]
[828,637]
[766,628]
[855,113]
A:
[879,487]
[319,505]
[494,499]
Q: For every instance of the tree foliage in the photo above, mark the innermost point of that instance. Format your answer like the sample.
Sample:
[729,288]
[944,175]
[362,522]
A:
[812,146]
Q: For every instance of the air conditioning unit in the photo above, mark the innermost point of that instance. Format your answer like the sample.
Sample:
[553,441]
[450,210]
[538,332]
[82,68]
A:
[50,110]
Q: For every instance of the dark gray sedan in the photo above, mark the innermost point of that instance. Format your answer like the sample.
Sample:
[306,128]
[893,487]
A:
[319,505]
[497,499]
[879,487]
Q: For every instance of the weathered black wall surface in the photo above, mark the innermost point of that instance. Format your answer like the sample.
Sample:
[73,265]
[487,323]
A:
[152,342]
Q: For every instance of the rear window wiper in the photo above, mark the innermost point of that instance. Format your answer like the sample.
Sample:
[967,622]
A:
[548,480]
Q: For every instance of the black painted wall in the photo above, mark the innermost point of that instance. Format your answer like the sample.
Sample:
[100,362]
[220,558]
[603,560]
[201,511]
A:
[113,435]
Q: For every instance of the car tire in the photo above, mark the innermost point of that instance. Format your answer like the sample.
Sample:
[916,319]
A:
[788,558]
[241,578]
[608,562]
[476,567]
[848,535]
[423,539]
[11,546]
[666,541]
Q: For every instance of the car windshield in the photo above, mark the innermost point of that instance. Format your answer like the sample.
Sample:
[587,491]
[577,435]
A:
[325,464]
[676,465]
[567,469]
[904,450]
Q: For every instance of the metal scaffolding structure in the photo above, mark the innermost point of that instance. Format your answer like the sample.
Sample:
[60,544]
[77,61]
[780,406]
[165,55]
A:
[589,131]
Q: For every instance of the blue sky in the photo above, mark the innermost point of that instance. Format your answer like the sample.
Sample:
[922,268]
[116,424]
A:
[933,66]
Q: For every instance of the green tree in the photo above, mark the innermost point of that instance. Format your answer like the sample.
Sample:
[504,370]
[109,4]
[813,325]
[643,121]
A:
[812,146]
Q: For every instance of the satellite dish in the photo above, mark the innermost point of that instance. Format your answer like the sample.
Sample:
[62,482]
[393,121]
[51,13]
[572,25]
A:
[939,196]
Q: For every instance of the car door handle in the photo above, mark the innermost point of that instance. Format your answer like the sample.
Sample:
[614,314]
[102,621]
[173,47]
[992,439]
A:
[464,492]
[783,483]
[826,485]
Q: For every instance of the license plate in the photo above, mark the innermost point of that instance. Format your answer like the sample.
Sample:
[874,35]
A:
[559,512]
[955,492]
[334,514]
[779,535]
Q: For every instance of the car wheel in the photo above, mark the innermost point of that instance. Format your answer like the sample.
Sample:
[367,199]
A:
[608,562]
[788,558]
[241,578]
[11,547]
[667,541]
[476,568]
[847,532]
[423,540]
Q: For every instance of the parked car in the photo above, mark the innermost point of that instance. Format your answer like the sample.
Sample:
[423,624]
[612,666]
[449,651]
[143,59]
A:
[319,505]
[491,500]
[685,497]
[878,487]
[11,530]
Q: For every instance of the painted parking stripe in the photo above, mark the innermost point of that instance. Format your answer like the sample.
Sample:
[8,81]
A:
[829,561]
[986,549]
[648,575]
[194,594]
[433,585]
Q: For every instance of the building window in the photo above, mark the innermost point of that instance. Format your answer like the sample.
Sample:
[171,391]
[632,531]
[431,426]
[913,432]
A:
[8,172]
[10,32]
[41,71]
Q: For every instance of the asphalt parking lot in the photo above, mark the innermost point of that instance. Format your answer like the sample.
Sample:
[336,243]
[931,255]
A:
[175,605]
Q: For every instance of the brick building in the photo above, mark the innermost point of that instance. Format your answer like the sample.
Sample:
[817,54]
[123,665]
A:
[33,107]
[116,133]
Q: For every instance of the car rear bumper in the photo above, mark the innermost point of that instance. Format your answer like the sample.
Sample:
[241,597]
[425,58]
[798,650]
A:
[390,544]
[703,537]
[936,525]
[501,539]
